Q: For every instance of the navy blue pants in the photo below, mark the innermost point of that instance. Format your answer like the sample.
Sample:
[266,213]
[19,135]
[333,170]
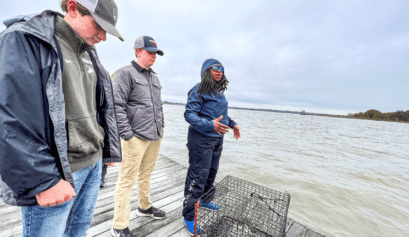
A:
[104,172]
[204,156]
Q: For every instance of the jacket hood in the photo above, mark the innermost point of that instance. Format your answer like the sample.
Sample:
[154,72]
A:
[209,62]
[39,25]
[15,19]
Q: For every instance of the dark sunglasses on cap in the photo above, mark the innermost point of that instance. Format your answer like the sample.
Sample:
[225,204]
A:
[215,68]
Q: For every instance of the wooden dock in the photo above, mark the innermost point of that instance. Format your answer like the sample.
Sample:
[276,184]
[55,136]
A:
[167,185]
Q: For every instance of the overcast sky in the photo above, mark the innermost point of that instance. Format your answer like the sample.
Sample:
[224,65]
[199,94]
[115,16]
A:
[318,56]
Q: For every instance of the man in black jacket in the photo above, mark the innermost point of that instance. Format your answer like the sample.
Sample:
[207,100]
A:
[57,116]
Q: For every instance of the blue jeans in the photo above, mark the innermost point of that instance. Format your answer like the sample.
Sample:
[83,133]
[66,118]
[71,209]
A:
[72,218]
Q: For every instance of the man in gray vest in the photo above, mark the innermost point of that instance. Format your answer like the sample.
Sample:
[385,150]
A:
[57,116]
[138,105]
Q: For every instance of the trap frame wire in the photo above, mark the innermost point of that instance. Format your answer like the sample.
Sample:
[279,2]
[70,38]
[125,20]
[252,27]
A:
[247,209]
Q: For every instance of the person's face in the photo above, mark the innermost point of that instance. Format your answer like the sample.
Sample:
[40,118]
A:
[145,58]
[89,30]
[85,25]
[217,75]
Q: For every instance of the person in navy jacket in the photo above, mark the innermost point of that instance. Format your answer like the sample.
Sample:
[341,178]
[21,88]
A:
[206,112]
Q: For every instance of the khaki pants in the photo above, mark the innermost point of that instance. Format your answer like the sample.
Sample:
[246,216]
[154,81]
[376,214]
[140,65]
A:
[138,162]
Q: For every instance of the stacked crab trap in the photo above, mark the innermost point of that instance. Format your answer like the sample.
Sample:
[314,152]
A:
[246,209]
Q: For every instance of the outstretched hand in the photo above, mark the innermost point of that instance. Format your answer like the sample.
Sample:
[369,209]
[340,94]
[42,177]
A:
[237,133]
[57,195]
[220,128]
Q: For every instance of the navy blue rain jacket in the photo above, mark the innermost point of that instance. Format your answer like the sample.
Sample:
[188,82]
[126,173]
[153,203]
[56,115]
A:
[202,109]
[33,143]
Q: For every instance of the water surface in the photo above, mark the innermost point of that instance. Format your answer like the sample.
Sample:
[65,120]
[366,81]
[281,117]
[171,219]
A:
[346,177]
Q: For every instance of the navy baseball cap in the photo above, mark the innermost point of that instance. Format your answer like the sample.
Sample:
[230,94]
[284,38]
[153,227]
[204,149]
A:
[147,43]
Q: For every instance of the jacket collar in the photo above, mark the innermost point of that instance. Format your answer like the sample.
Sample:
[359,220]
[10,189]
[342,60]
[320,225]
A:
[139,68]
[41,25]
[65,31]
[38,25]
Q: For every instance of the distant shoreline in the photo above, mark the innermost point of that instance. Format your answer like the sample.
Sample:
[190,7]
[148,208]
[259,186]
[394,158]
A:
[293,112]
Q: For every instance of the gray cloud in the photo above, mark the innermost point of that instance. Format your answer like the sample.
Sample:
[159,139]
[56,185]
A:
[320,56]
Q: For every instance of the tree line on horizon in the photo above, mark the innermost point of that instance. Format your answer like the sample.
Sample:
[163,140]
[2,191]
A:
[374,114]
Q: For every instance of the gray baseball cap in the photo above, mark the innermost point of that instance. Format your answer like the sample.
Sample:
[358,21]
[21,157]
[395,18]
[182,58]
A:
[105,12]
[148,43]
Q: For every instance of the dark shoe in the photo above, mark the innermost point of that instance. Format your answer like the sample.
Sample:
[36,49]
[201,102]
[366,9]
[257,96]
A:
[101,184]
[121,233]
[154,212]
[191,226]
[209,205]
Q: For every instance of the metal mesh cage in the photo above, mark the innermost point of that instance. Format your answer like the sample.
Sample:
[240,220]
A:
[247,209]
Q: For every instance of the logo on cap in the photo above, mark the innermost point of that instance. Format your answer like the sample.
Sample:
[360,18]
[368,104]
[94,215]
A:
[153,43]
[115,14]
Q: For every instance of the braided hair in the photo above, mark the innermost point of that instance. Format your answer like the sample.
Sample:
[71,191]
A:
[209,85]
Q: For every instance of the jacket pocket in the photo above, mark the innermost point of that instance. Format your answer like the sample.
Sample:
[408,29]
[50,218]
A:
[85,136]
[140,91]
[140,81]
[156,83]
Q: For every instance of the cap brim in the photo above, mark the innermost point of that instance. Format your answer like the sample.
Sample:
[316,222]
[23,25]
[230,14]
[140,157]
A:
[107,26]
[153,49]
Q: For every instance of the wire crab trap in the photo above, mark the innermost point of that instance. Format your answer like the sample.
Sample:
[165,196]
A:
[246,209]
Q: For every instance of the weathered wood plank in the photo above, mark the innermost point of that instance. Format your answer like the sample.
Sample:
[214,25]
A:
[175,227]
[288,224]
[173,209]
[160,163]
[172,225]
[110,180]
[134,197]
[164,174]
[167,184]
[157,176]
[147,230]
[183,232]
[136,221]
[155,182]
[14,217]
[311,233]
[178,196]
[296,230]
[156,196]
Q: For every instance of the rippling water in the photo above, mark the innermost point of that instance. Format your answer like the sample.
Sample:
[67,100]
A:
[346,177]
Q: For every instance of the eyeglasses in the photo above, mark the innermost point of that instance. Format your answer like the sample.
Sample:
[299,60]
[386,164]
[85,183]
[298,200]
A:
[215,68]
